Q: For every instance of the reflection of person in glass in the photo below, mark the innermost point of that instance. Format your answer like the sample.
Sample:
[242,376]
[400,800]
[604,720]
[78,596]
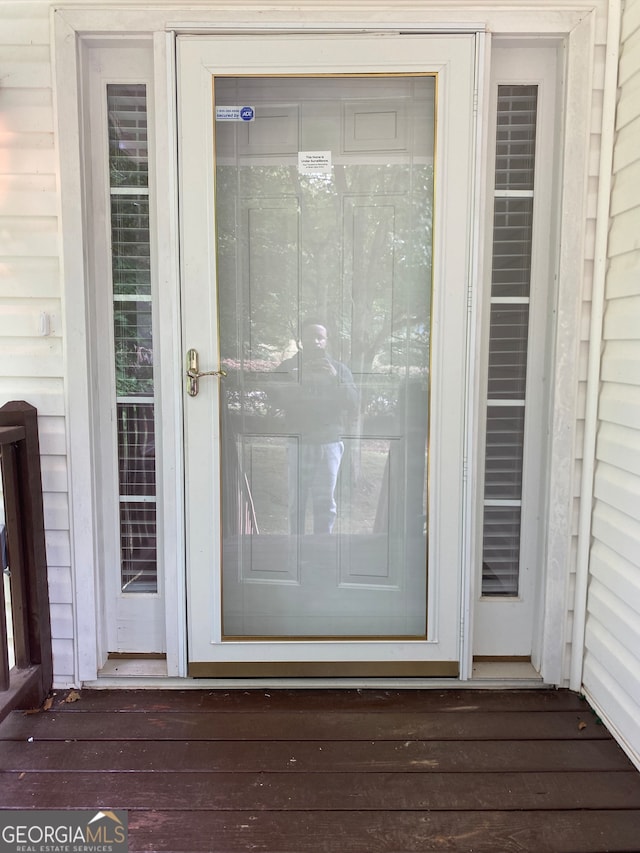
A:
[319,399]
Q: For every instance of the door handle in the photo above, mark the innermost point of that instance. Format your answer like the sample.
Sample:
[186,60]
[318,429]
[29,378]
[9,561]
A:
[194,373]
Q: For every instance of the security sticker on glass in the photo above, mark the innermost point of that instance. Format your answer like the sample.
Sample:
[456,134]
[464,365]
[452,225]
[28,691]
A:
[235,113]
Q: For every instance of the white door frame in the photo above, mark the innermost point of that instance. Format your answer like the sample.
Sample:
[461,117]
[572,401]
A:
[453,59]
[575,22]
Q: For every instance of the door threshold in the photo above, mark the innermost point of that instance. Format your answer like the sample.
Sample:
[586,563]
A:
[510,670]
[127,674]
[129,666]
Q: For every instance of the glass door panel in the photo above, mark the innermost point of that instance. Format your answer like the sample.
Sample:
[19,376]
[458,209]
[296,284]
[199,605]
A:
[324,209]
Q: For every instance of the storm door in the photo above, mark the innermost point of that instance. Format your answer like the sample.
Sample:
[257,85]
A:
[325,191]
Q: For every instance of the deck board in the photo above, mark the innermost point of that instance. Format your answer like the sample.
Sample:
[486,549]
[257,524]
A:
[333,792]
[386,832]
[345,771]
[410,756]
[311,725]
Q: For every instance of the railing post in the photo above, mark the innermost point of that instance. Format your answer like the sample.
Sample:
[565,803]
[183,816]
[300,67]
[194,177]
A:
[34,590]
[5,681]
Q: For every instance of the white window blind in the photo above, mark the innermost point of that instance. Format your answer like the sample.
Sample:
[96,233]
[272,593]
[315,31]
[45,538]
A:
[508,338]
[133,338]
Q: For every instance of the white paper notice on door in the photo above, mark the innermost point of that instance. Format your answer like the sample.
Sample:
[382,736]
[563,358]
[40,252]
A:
[314,162]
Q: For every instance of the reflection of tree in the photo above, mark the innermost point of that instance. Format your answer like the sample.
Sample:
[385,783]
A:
[128,156]
[372,284]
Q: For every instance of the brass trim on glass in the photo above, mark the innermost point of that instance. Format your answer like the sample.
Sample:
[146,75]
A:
[444,669]
[324,669]
[325,638]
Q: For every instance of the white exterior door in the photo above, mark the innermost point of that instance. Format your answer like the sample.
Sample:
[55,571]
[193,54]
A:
[325,255]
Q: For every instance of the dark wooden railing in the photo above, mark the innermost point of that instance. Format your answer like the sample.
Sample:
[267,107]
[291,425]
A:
[28,682]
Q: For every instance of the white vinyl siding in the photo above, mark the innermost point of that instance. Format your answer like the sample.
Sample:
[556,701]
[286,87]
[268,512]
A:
[31,364]
[612,653]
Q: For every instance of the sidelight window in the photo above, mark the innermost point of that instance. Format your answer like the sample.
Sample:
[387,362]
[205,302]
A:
[508,338]
[133,334]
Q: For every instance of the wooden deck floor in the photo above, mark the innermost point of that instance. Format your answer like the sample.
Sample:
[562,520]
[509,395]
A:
[330,771]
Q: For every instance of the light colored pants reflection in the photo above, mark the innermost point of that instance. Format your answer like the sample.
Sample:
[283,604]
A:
[313,470]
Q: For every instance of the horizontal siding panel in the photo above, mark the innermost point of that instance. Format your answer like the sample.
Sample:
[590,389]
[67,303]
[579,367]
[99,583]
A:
[60,586]
[622,319]
[54,473]
[32,237]
[614,703]
[56,510]
[629,57]
[38,182]
[53,439]
[585,323]
[19,29]
[626,148]
[28,154]
[20,318]
[619,446]
[622,664]
[47,395]
[618,489]
[628,107]
[623,276]
[31,357]
[624,195]
[583,361]
[63,661]
[624,235]
[630,19]
[620,404]
[25,67]
[615,617]
[590,239]
[617,574]
[598,97]
[29,202]
[62,619]
[38,277]
[58,548]
[617,530]
[592,197]
[593,166]
[27,110]
[621,362]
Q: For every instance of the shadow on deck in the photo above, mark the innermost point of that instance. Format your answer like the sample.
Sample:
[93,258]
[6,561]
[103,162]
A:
[330,771]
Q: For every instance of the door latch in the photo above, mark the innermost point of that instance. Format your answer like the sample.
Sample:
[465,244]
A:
[194,374]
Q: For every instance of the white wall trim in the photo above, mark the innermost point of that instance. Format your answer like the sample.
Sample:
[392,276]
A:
[564,358]
[217,16]
[477,283]
[167,320]
[595,341]
[78,403]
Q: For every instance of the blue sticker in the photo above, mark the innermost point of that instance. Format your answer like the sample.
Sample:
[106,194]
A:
[247,113]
